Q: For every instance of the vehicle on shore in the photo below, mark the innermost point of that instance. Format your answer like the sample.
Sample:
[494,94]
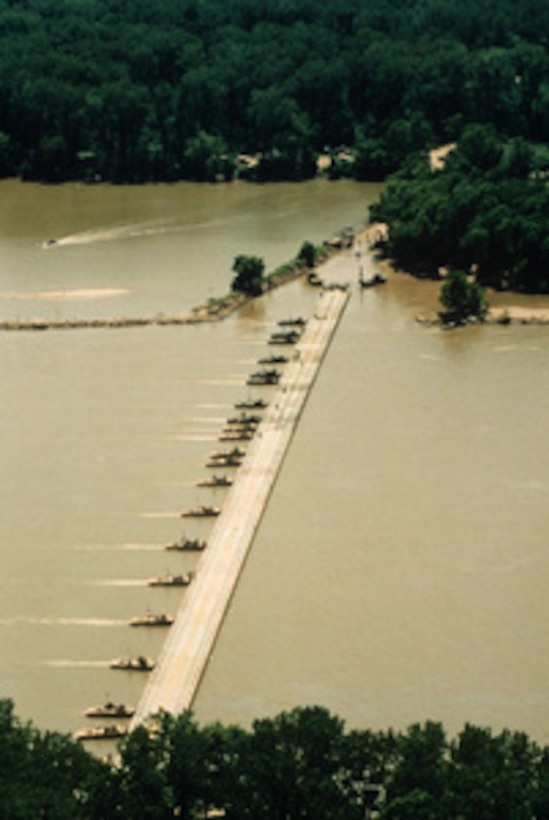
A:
[182,580]
[187,545]
[138,664]
[202,511]
[109,732]
[110,710]
[151,620]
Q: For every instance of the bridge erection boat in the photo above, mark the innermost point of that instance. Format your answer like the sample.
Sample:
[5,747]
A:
[152,620]
[109,732]
[138,664]
[273,360]
[251,404]
[187,545]
[201,512]
[110,710]
[264,377]
[215,481]
[171,580]
[245,420]
[287,337]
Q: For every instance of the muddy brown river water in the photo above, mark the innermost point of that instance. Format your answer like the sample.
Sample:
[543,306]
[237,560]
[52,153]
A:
[401,566]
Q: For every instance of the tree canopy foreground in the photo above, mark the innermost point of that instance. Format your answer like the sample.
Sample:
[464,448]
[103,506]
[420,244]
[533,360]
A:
[299,764]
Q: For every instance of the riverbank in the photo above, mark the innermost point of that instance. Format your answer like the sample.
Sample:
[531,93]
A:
[213,310]
[502,314]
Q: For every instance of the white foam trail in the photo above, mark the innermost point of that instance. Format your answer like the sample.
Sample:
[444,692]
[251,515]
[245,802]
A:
[113,547]
[169,514]
[74,663]
[95,622]
[207,420]
[235,381]
[138,547]
[118,582]
[194,437]
[119,232]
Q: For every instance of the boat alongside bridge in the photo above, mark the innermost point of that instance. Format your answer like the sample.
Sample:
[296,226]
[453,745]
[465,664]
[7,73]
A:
[190,641]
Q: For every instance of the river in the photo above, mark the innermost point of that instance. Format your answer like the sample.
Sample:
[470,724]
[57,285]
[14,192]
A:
[400,569]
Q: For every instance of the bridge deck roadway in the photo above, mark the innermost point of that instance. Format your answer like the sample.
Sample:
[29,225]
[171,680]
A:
[174,682]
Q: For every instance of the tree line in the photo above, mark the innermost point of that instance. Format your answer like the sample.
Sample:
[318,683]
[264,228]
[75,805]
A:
[298,764]
[484,213]
[168,89]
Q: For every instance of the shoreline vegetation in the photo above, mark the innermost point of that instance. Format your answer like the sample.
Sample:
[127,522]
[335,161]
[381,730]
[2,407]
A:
[214,310]
[217,309]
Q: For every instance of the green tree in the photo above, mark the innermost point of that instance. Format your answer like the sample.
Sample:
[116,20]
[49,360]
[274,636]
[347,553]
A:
[249,275]
[144,787]
[206,158]
[293,766]
[462,299]
[307,254]
[419,780]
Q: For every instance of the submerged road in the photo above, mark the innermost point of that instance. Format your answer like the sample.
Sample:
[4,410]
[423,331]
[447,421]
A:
[190,641]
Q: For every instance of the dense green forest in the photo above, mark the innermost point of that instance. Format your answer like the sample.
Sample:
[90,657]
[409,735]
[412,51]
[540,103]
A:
[299,764]
[485,212]
[147,90]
